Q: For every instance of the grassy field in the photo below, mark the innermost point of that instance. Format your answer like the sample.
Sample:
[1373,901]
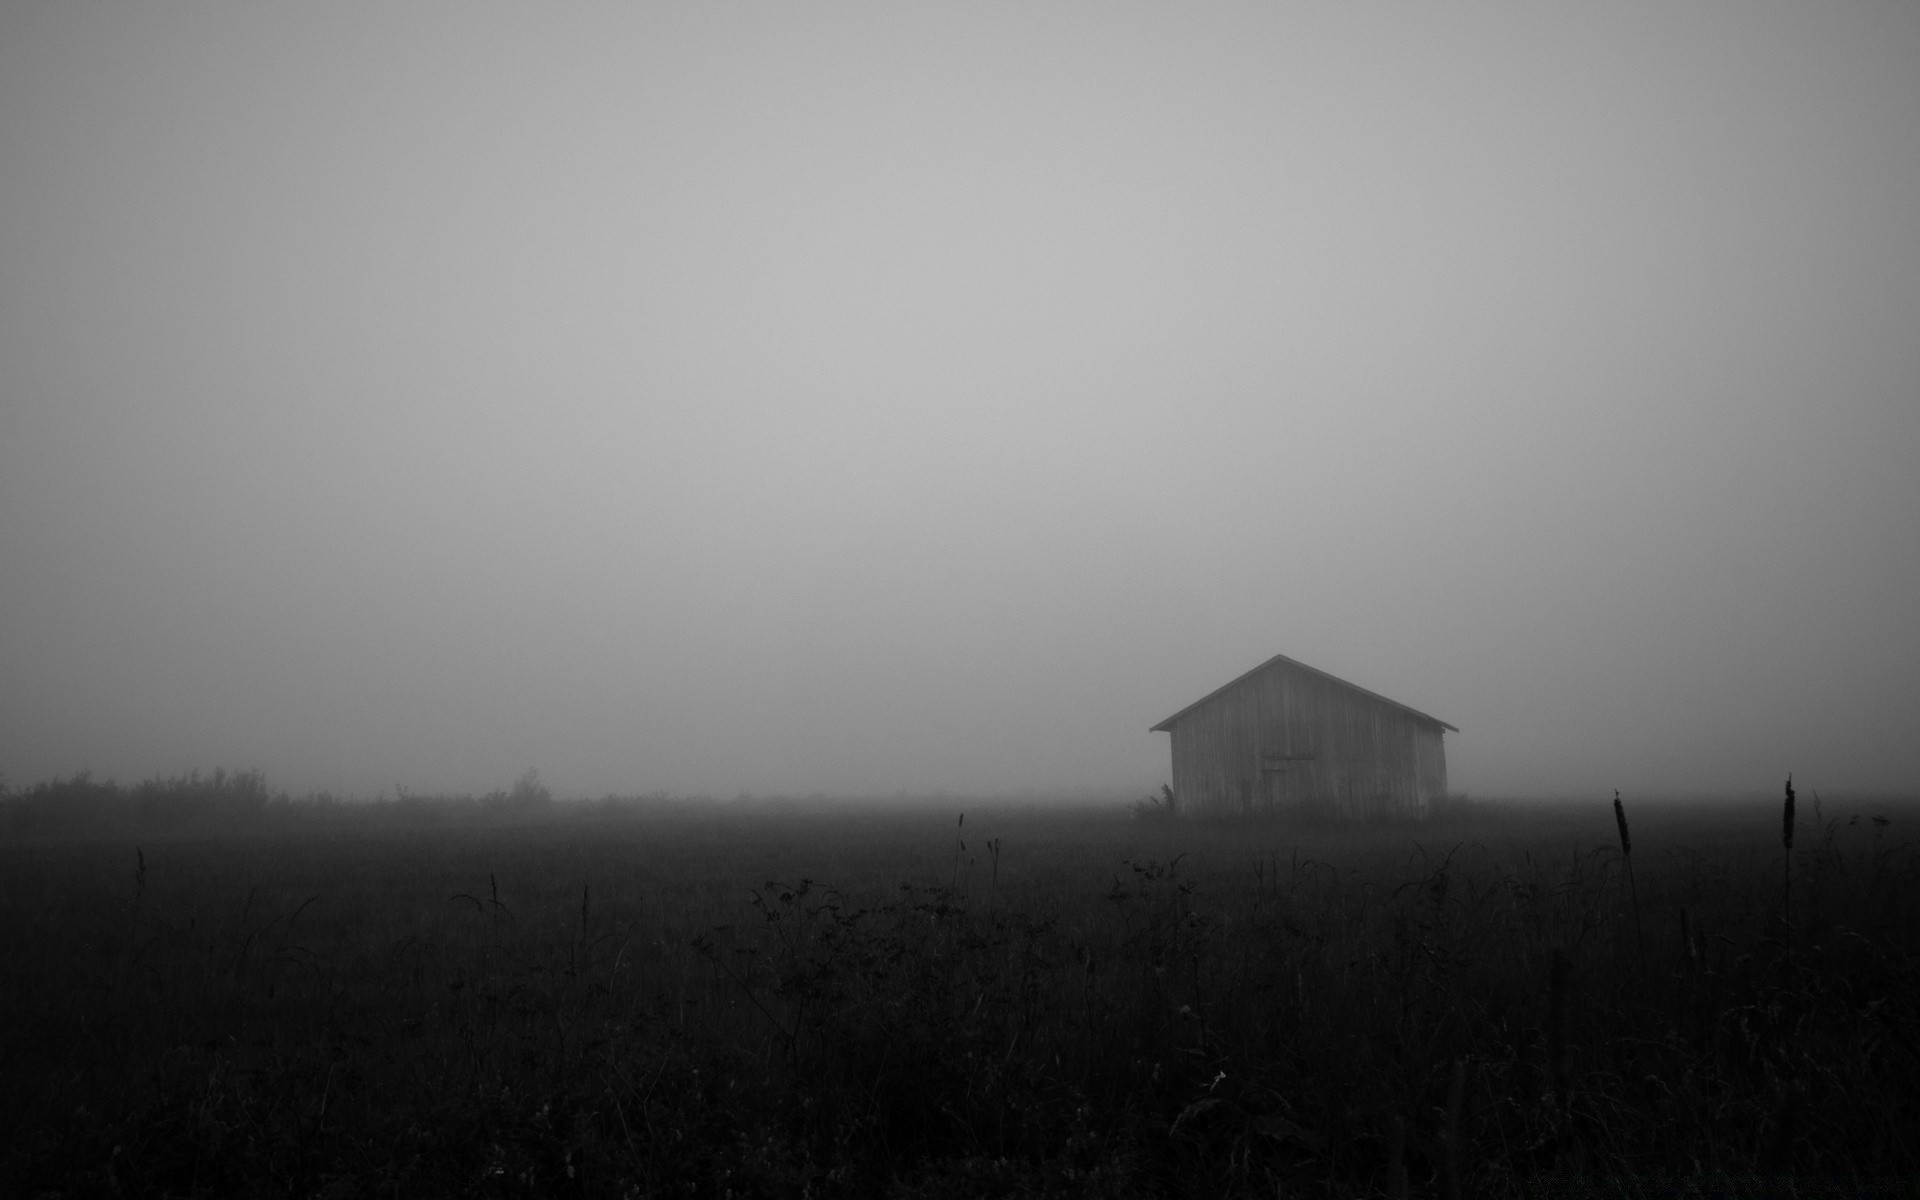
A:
[646,998]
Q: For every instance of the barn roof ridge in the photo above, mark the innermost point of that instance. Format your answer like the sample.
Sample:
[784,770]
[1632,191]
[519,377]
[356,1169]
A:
[1166,726]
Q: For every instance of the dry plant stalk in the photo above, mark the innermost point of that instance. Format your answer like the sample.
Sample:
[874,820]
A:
[1397,1161]
[1557,1030]
[1456,1096]
[1777,1157]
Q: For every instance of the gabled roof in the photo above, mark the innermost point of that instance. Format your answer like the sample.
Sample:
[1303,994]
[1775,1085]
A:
[1166,726]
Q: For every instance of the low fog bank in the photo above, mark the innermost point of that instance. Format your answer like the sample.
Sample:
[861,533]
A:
[222,802]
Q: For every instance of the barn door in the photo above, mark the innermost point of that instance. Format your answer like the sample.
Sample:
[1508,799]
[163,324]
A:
[1283,781]
[1276,787]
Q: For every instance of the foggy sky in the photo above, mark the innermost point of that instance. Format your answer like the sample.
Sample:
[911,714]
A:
[861,398]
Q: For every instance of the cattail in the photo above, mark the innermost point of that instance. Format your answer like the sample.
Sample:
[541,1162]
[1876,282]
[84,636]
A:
[1626,852]
[959,850]
[1786,818]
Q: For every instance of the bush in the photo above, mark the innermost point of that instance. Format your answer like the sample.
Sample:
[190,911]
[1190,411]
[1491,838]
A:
[1157,809]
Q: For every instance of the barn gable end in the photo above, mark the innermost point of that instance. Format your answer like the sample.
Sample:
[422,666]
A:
[1286,738]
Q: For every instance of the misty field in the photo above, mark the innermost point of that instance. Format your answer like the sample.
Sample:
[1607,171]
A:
[747,1000]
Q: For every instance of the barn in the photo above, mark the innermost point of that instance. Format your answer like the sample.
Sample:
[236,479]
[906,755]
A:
[1288,738]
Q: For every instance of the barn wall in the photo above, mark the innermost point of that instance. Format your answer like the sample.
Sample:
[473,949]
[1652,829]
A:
[1288,739]
[1430,757]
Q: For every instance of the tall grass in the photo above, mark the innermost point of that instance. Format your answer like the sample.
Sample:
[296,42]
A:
[639,1006]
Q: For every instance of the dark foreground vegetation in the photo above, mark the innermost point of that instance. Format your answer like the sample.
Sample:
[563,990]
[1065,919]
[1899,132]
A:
[508,996]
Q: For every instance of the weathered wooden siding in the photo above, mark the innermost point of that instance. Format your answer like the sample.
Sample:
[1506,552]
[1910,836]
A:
[1288,739]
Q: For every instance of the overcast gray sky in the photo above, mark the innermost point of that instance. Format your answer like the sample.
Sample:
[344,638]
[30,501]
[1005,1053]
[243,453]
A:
[795,397]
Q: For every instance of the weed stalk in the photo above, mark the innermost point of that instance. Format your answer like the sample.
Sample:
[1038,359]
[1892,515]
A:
[1786,885]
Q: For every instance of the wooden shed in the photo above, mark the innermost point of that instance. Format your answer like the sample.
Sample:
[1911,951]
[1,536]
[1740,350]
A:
[1287,738]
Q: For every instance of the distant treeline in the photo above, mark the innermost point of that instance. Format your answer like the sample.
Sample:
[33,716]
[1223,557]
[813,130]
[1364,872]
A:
[227,800]
[224,801]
